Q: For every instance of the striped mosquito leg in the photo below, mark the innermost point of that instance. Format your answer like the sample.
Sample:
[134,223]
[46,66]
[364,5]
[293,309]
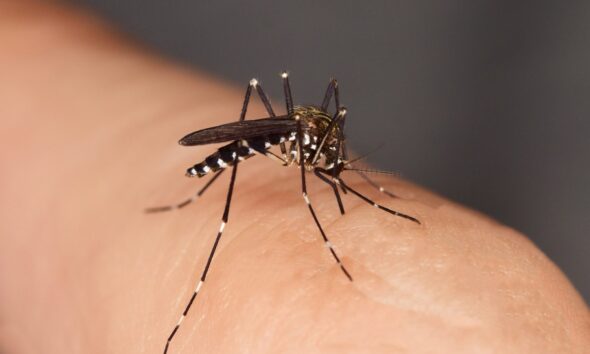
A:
[393,212]
[338,116]
[334,188]
[189,200]
[224,220]
[339,145]
[308,202]
[376,185]
[326,240]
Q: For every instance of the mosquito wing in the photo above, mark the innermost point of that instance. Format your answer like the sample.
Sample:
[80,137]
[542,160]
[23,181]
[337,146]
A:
[241,130]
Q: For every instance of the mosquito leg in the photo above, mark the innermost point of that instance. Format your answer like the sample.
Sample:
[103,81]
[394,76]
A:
[268,106]
[308,202]
[338,164]
[224,220]
[329,173]
[276,158]
[332,86]
[376,185]
[337,96]
[263,97]
[289,105]
[334,187]
[189,200]
[338,119]
[342,141]
[259,146]
[287,90]
[393,212]
[343,149]
[338,116]
[252,83]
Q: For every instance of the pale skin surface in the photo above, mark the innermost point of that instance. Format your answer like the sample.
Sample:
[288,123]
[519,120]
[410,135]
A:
[89,125]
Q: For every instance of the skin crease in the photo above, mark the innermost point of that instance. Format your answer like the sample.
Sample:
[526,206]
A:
[89,125]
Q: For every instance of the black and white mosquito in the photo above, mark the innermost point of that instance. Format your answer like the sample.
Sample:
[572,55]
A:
[307,136]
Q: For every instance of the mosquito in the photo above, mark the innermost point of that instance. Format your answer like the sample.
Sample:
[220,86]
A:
[307,136]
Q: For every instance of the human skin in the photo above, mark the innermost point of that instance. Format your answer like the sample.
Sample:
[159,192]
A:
[89,125]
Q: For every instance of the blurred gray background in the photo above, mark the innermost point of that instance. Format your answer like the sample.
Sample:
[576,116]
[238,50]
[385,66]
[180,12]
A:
[486,102]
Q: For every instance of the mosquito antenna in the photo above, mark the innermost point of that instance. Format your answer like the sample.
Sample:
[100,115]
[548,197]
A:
[366,154]
[368,170]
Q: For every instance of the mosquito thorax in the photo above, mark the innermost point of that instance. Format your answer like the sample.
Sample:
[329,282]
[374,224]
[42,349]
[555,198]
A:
[315,125]
[314,119]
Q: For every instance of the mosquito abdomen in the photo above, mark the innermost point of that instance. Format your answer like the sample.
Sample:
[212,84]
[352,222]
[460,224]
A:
[225,156]
[238,150]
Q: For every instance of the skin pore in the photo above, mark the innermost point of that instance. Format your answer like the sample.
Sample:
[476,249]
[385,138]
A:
[89,125]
